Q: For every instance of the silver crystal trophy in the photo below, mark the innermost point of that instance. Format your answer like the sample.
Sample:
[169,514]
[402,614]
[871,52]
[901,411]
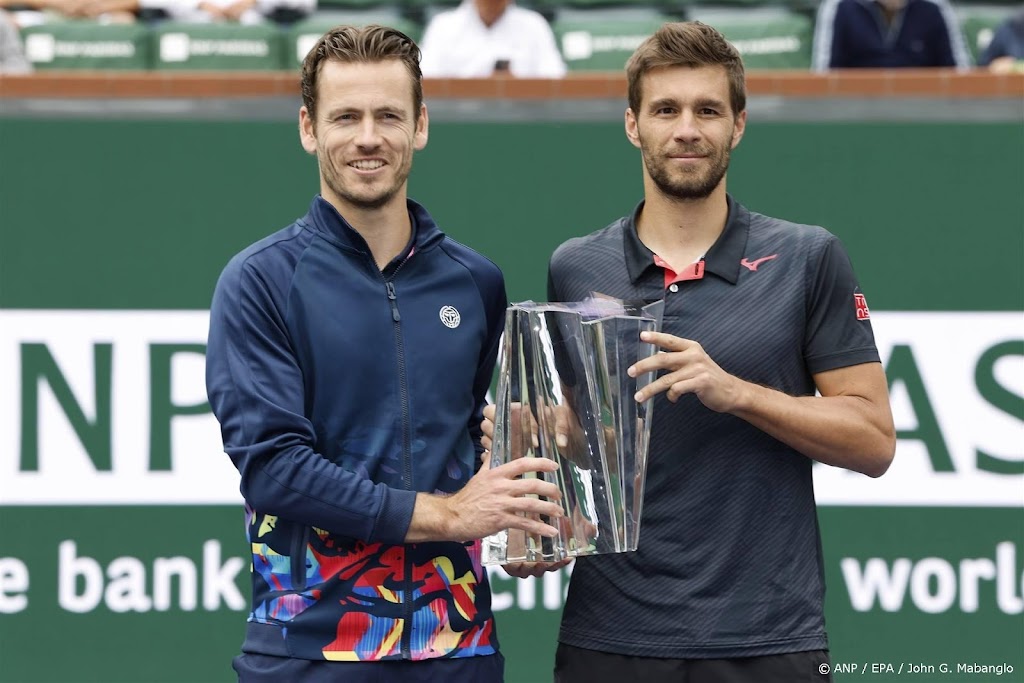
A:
[563,394]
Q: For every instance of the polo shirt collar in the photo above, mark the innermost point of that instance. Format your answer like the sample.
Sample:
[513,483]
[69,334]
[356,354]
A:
[723,258]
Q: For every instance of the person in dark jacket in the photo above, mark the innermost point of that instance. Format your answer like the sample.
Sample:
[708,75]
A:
[348,360]
[1005,52]
[853,34]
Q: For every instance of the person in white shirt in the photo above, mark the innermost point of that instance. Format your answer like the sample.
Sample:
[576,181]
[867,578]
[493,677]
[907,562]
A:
[483,37]
[12,50]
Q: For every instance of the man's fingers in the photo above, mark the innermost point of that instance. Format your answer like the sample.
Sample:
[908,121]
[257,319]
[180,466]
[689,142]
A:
[534,487]
[665,360]
[521,466]
[658,361]
[669,342]
[531,485]
[522,570]
[659,385]
[535,506]
[514,569]
[487,425]
[562,426]
[519,570]
[530,426]
[532,526]
[523,423]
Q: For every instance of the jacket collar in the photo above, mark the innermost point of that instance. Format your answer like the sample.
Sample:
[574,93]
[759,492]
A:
[326,220]
[723,258]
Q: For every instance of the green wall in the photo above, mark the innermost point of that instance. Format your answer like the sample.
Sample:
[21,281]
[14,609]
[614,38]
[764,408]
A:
[138,216]
[163,205]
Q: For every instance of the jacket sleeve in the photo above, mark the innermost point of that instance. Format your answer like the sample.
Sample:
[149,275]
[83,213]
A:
[495,301]
[256,390]
[828,48]
[952,48]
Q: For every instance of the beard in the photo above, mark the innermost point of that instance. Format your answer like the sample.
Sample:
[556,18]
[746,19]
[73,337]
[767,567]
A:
[686,184]
[369,196]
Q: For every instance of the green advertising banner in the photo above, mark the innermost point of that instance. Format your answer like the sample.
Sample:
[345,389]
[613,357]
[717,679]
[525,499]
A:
[122,549]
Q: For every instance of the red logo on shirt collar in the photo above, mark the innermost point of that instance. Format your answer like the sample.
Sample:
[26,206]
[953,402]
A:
[861,304]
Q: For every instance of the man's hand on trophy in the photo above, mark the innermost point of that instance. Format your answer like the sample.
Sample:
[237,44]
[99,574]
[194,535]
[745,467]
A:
[522,570]
[688,369]
[493,500]
[579,528]
[520,423]
[487,426]
[570,439]
[576,527]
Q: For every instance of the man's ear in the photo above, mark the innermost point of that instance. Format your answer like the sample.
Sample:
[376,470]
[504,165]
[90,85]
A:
[307,131]
[632,131]
[739,128]
[419,140]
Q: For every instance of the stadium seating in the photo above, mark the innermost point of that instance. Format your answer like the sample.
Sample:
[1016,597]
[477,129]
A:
[593,35]
[222,47]
[302,35]
[603,39]
[773,37]
[88,45]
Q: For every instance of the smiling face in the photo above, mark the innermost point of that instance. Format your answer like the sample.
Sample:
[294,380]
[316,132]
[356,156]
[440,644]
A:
[365,132]
[685,129]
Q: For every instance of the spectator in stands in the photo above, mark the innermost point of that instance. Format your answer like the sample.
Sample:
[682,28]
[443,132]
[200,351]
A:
[239,11]
[1006,51]
[35,12]
[189,11]
[886,34]
[12,52]
[483,37]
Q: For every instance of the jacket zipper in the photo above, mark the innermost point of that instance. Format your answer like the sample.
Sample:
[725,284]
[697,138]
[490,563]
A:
[407,599]
[298,557]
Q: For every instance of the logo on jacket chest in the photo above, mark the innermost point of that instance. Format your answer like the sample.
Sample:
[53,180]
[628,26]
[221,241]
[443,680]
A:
[450,316]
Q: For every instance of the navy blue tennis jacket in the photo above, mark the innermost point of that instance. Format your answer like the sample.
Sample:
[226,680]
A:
[342,391]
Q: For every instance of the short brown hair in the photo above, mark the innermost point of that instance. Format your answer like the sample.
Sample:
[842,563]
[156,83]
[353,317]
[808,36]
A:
[686,43]
[365,44]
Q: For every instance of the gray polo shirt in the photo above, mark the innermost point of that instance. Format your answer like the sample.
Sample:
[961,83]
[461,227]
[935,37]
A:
[729,562]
